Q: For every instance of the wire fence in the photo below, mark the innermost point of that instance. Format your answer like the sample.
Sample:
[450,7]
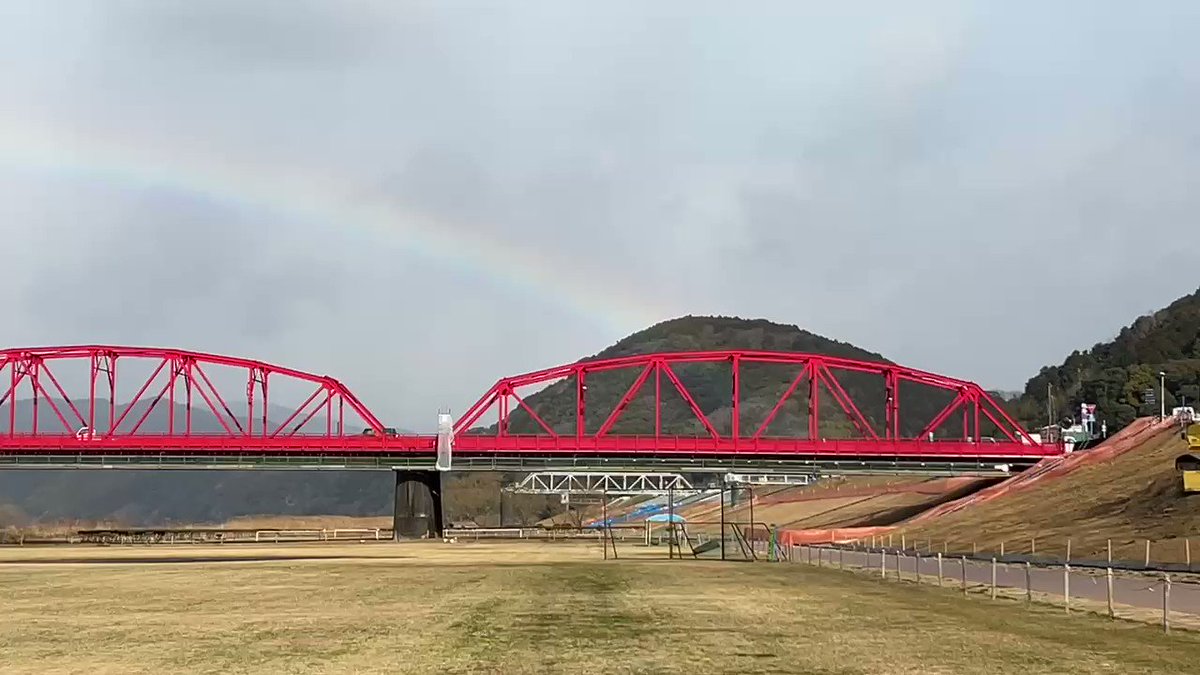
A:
[1158,597]
[1179,554]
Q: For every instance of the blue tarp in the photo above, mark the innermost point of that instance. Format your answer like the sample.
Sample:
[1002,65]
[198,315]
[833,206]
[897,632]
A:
[667,517]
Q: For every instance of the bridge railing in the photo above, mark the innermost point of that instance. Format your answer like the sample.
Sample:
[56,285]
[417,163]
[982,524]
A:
[477,445]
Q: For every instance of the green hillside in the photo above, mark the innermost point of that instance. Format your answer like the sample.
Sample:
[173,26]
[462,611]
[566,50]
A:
[1116,374]
[712,385]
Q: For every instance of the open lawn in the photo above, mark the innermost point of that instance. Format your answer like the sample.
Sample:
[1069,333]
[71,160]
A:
[529,607]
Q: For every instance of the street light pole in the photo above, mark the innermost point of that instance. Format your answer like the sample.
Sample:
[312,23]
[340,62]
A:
[1049,408]
[1162,395]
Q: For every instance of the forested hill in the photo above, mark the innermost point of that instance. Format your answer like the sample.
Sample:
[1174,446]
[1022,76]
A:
[711,384]
[1115,375]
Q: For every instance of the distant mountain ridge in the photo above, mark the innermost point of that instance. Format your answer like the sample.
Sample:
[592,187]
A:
[1116,375]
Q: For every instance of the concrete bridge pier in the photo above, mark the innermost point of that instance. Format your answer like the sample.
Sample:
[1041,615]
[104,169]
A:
[418,507]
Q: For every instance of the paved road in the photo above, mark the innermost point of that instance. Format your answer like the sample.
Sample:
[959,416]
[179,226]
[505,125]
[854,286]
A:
[1145,592]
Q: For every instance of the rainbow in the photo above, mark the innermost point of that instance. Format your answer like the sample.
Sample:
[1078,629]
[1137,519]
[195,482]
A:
[300,194]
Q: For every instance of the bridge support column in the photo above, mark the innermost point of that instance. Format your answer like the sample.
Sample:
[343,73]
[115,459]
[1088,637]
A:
[418,507]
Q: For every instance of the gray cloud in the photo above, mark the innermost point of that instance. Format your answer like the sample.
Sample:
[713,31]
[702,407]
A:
[929,182]
[284,34]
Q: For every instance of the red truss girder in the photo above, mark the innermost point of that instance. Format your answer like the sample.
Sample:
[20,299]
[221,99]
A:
[817,371]
[98,422]
[30,374]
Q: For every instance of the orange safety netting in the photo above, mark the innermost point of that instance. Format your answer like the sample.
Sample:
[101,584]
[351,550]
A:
[830,536]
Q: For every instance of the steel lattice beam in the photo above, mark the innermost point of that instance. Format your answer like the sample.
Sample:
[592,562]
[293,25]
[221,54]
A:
[104,409]
[596,483]
[177,378]
[771,478]
[819,371]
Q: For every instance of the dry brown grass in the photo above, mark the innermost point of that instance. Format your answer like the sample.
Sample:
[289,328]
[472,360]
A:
[506,608]
[1134,497]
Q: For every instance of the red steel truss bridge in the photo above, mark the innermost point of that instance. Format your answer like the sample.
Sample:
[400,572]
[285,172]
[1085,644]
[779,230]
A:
[131,407]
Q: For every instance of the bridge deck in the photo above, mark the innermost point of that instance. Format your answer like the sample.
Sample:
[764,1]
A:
[516,463]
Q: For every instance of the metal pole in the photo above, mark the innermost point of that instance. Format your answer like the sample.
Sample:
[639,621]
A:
[723,518]
[1067,587]
[939,558]
[1162,395]
[1166,603]
[671,522]
[1028,585]
[604,516]
[1109,579]
[750,488]
[993,577]
[1049,408]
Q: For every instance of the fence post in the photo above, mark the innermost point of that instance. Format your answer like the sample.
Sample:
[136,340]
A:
[1108,577]
[903,542]
[1068,550]
[841,559]
[939,558]
[1001,549]
[1028,584]
[964,574]
[1187,553]
[1110,552]
[918,559]
[993,577]
[1147,553]
[1166,603]
[1067,586]
[882,564]
[1033,546]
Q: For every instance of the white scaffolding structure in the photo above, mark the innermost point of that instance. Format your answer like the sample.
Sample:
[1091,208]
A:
[597,483]
[770,478]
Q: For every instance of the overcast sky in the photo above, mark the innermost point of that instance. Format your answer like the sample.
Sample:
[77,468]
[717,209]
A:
[420,197]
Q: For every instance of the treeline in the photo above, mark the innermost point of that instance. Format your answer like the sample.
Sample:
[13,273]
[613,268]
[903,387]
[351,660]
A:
[1117,375]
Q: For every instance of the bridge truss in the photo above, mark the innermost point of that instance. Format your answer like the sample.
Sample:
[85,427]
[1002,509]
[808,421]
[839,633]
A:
[799,479]
[655,381]
[143,407]
[601,483]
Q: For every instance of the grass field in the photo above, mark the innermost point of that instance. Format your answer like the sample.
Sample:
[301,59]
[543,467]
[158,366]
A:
[505,607]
